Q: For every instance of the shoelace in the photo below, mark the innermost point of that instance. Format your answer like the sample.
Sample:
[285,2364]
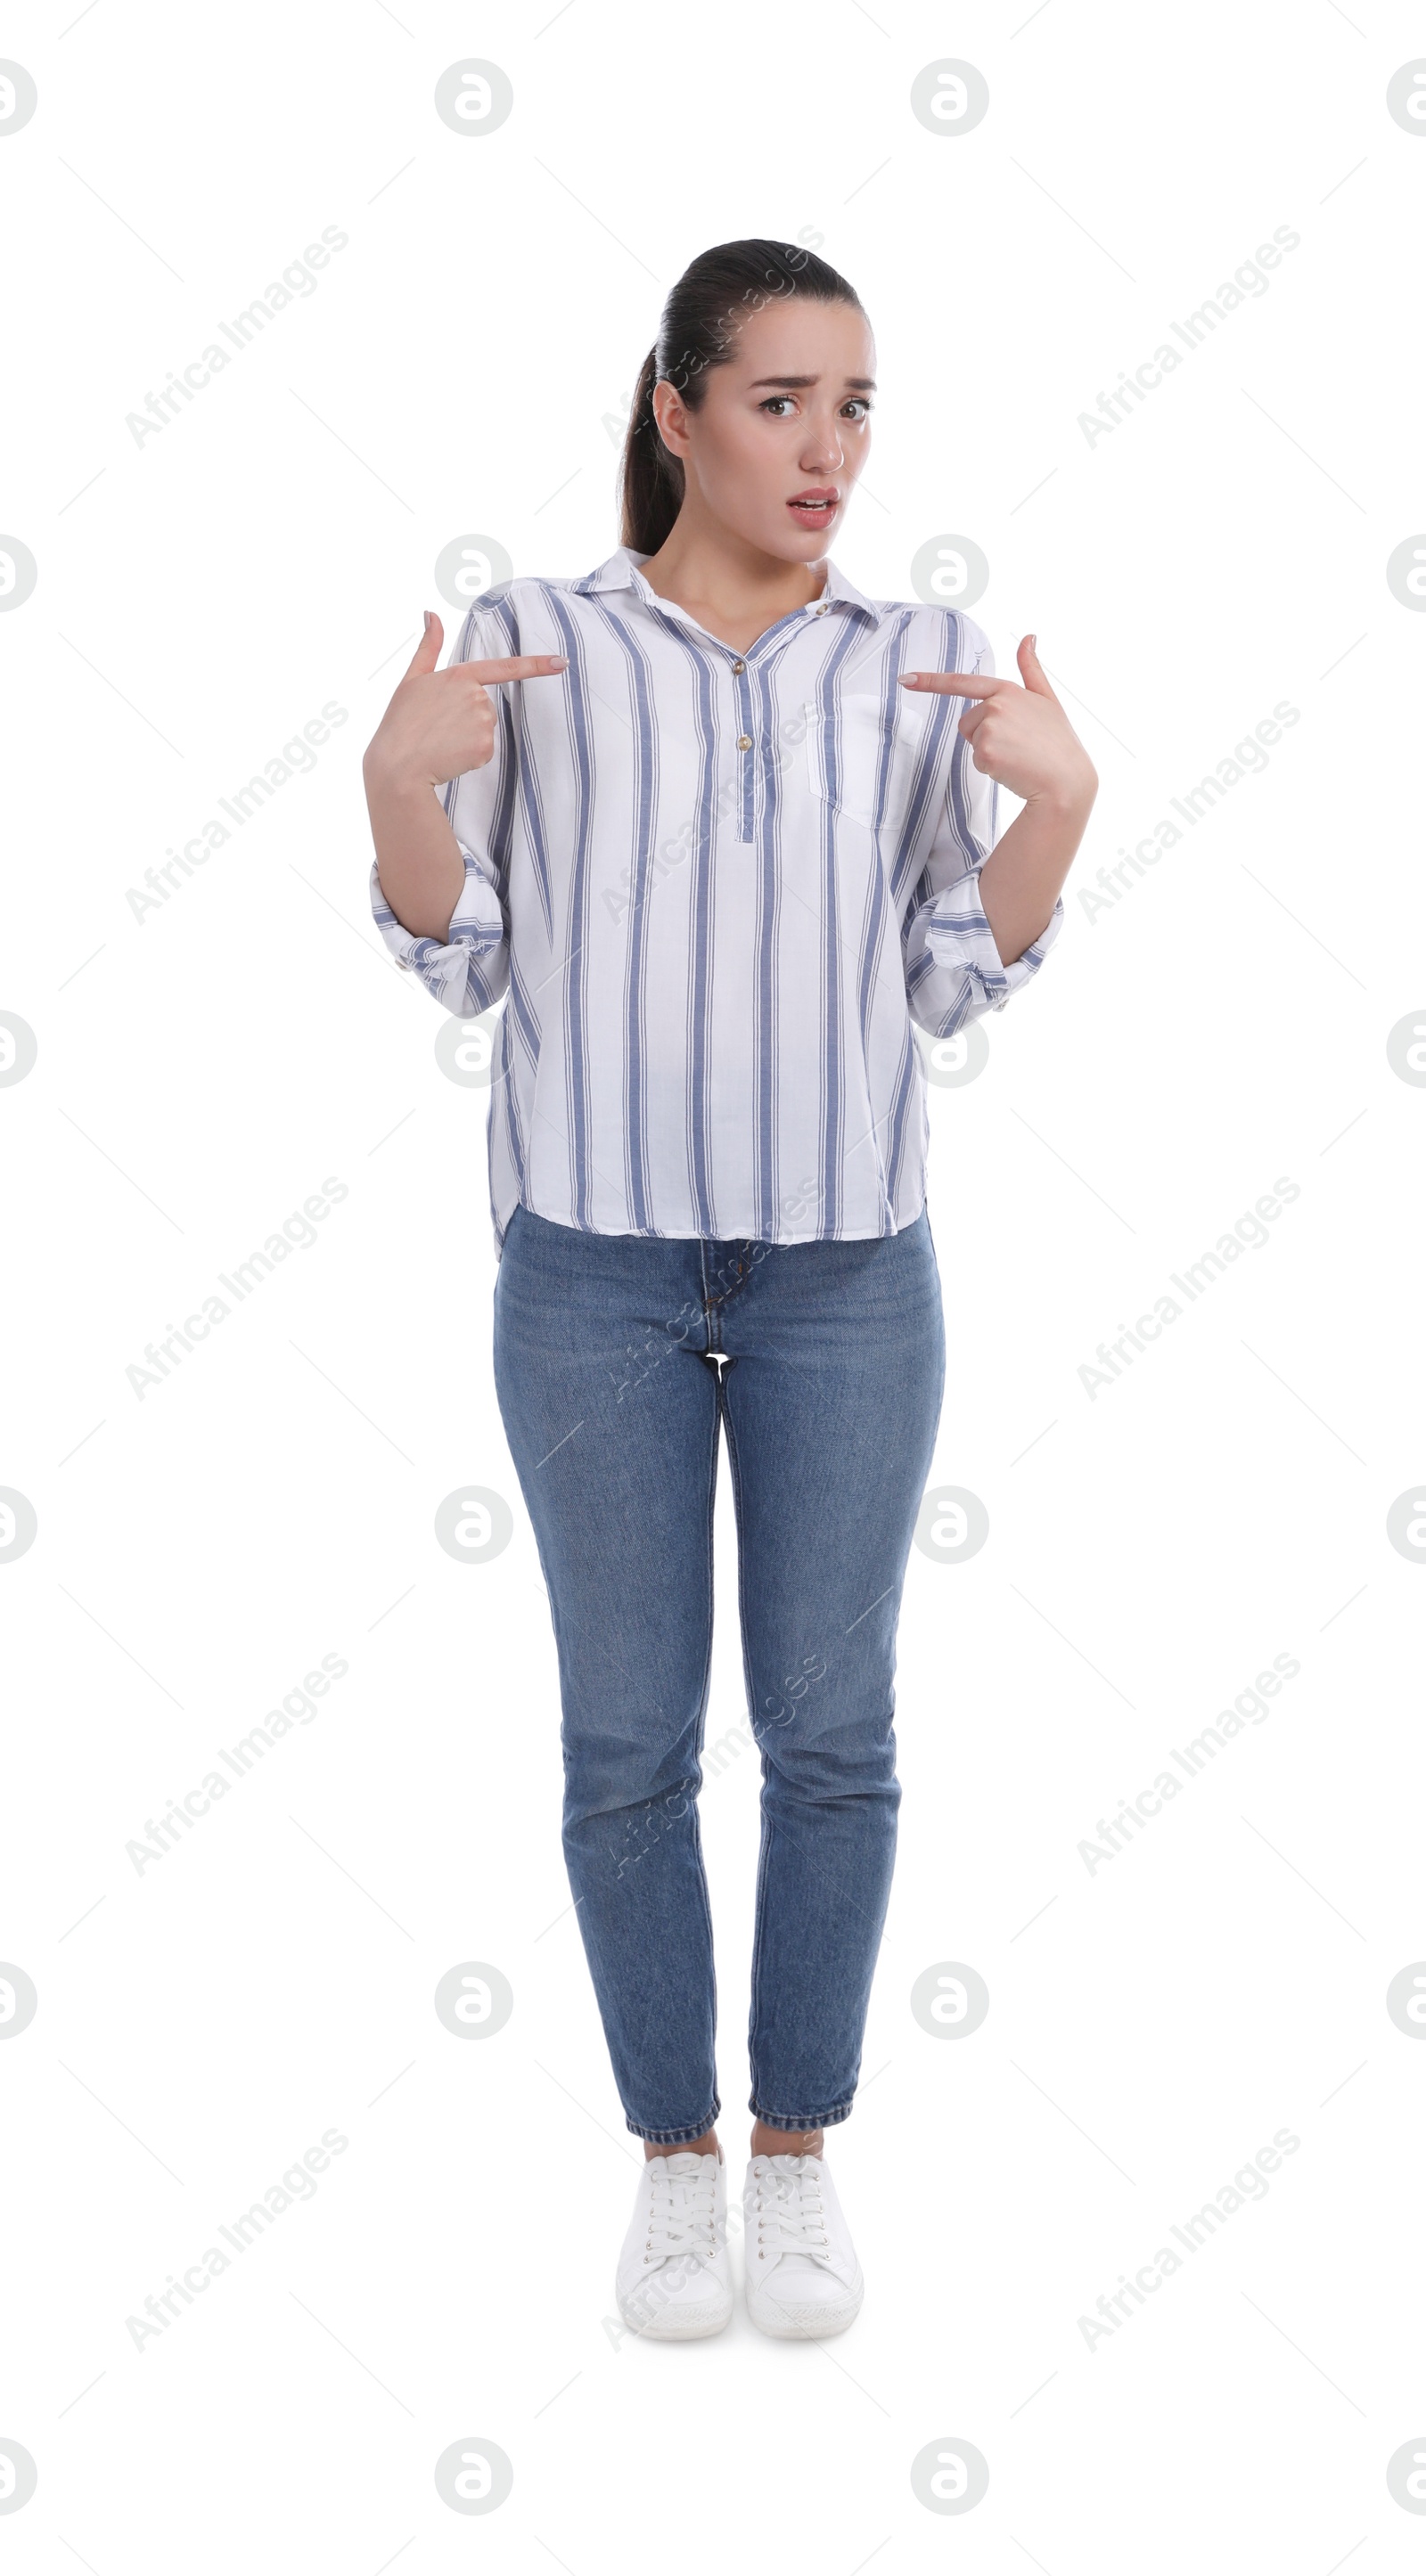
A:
[682,2207]
[791,2218]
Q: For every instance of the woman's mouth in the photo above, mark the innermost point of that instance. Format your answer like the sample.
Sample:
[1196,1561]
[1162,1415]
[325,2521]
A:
[814,508]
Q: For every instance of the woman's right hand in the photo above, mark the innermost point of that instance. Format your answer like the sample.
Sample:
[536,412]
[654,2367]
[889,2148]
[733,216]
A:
[441,723]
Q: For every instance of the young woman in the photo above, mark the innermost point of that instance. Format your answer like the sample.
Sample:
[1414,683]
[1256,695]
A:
[723,828]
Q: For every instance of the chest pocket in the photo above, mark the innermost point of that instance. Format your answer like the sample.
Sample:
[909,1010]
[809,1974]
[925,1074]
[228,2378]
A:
[852,756]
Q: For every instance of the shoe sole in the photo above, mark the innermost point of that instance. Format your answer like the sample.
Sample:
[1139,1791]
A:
[669,2328]
[770,2320]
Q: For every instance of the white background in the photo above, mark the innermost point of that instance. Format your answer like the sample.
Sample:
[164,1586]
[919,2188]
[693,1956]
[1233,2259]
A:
[464,365]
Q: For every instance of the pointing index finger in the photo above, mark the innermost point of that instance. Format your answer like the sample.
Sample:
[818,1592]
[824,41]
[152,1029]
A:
[967,684]
[519,666]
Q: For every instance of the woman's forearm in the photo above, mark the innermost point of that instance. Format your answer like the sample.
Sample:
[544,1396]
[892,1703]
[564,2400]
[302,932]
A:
[1023,740]
[420,867]
[1021,879]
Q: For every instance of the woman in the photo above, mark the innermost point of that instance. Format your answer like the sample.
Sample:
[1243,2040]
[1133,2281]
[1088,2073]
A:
[723,839]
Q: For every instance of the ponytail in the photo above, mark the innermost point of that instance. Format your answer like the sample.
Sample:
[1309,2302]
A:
[651,482]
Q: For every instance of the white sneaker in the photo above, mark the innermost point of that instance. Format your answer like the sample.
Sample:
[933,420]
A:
[803,2277]
[674,2280]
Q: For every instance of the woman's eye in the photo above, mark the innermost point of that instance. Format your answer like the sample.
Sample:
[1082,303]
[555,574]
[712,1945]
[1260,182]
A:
[857,402]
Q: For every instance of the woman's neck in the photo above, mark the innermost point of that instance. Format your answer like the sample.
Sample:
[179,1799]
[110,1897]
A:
[735,590]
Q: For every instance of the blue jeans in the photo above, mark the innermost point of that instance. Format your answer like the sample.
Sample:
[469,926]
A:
[612,1392]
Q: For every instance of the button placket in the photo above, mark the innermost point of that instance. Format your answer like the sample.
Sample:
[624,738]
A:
[743,696]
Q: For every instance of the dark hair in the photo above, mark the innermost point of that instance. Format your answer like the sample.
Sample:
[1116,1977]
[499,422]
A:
[698,330]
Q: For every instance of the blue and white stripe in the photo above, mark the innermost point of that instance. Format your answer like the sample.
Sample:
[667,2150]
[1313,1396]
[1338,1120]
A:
[717,888]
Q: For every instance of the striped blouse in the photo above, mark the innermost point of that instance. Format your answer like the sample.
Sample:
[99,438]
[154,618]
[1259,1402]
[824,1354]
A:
[718,888]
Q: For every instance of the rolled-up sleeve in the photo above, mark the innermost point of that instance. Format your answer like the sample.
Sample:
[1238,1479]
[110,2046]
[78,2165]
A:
[954,971]
[469,971]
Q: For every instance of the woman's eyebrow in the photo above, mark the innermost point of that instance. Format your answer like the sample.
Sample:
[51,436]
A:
[864,384]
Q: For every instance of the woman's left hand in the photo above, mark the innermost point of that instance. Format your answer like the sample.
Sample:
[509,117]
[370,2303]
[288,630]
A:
[1021,738]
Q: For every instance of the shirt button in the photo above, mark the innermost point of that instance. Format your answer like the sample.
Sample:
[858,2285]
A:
[822,611]
[745,742]
[740,666]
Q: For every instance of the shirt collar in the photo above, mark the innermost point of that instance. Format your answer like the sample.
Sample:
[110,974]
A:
[617,573]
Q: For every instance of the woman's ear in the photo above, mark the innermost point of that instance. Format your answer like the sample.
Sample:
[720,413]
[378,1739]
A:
[670,416]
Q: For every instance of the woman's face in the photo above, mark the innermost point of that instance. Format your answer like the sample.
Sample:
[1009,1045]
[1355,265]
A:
[788,416]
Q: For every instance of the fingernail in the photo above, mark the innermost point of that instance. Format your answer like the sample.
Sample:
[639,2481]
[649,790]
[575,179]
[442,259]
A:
[1034,643]
[909,680]
[426,616]
[559,661]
